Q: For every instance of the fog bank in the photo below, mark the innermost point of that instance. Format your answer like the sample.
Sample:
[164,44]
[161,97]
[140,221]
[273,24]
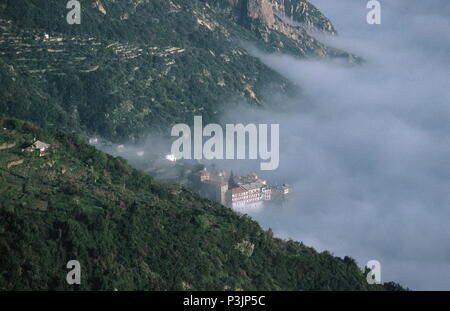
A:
[369,154]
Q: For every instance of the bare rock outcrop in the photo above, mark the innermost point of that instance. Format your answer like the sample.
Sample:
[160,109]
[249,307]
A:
[261,9]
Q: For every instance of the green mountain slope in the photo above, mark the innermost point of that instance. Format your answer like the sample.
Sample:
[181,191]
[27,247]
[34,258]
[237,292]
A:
[129,231]
[136,66]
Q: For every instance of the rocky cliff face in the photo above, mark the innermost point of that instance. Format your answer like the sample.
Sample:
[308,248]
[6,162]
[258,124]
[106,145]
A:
[270,12]
[261,9]
[293,13]
[283,25]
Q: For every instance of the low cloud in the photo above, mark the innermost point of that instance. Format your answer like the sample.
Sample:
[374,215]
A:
[366,148]
[369,154]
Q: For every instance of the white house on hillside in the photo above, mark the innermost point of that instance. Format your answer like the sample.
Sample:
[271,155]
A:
[39,145]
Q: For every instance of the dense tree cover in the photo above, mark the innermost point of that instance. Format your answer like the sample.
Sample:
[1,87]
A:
[131,232]
[117,75]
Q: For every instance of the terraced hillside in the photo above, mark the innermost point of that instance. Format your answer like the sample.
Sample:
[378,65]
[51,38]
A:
[136,66]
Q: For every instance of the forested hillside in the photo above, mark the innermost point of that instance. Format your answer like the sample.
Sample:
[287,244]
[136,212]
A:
[130,232]
[130,68]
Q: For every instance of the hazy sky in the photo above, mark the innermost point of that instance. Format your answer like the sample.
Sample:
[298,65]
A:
[369,157]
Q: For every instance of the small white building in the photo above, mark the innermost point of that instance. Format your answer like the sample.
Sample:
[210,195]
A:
[266,193]
[171,158]
[39,145]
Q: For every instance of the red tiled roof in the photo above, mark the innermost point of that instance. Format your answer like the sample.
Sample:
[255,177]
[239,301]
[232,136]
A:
[237,190]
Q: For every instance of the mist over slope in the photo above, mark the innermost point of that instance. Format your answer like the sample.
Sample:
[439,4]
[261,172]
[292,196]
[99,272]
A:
[130,232]
[365,147]
[369,155]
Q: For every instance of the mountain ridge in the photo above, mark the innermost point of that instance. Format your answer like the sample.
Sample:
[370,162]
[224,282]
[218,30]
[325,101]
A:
[134,67]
